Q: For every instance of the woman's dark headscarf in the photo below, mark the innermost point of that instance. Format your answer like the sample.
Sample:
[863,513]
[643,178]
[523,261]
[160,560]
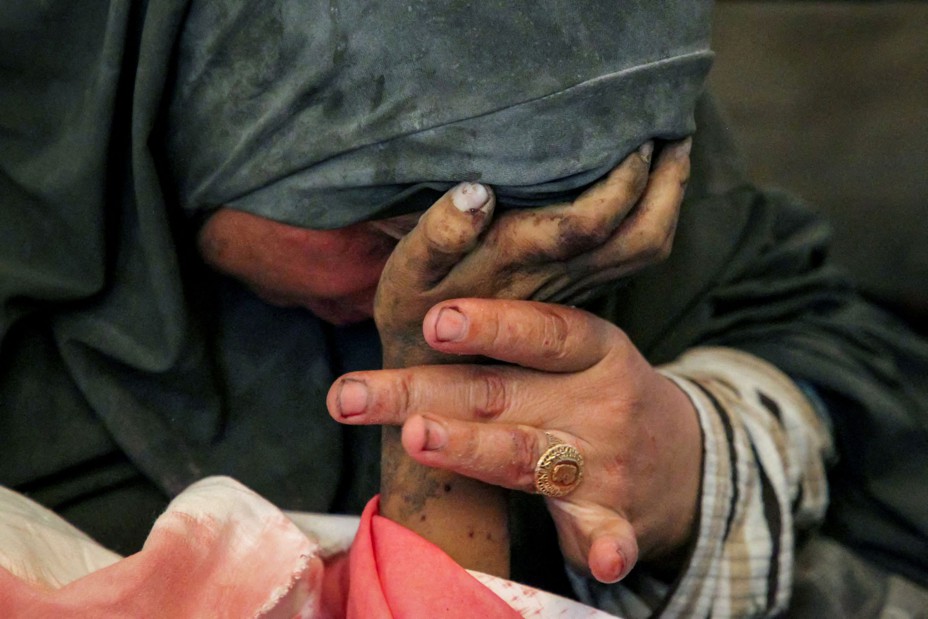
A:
[321,114]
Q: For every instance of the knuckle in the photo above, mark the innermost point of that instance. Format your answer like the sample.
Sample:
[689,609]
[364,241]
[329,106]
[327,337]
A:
[524,457]
[630,187]
[643,251]
[443,235]
[655,242]
[572,237]
[515,241]
[555,331]
[469,452]
[655,248]
[577,235]
[598,225]
[497,333]
[491,397]
[401,397]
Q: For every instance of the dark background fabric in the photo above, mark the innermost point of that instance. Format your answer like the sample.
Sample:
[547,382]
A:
[827,100]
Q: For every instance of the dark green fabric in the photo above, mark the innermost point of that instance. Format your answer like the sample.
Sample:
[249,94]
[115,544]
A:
[117,315]
[128,371]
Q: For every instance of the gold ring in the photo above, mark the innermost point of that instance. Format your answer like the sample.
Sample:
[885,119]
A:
[559,470]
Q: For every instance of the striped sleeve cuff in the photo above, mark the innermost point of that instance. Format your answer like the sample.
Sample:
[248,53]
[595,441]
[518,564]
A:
[763,477]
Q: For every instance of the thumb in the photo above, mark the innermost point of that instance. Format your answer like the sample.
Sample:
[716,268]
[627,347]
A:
[613,551]
[446,233]
[596,537]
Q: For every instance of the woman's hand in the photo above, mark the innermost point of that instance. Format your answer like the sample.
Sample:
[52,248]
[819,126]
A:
[561,253]
[572,375]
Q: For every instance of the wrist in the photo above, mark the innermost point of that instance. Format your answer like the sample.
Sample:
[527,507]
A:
[674,535]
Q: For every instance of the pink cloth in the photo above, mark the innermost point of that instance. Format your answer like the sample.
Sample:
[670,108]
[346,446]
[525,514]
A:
[220,550]
[396,573]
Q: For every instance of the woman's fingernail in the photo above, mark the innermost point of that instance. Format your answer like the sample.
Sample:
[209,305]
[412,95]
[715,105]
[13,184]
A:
[352,398]
[645,150]
[613,567]
[451,325]
[470,197]
[622,565]
[436,435]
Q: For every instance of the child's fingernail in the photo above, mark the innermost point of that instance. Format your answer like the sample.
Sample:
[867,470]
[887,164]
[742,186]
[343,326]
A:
[645,150]
[470,197]
[621,565]
[682,150]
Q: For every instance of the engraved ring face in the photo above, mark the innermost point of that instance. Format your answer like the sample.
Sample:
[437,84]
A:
[559,469]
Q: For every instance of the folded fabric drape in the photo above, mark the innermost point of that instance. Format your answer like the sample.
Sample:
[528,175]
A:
[396,573]
[221,550]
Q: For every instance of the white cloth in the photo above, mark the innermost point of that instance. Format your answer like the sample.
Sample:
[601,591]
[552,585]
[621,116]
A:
[218,550]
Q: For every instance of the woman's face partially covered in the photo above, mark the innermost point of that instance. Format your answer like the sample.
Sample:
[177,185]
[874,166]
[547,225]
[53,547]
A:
[333,273]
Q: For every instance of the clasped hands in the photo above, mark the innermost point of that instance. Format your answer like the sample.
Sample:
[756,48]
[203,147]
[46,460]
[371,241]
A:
[476,304]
